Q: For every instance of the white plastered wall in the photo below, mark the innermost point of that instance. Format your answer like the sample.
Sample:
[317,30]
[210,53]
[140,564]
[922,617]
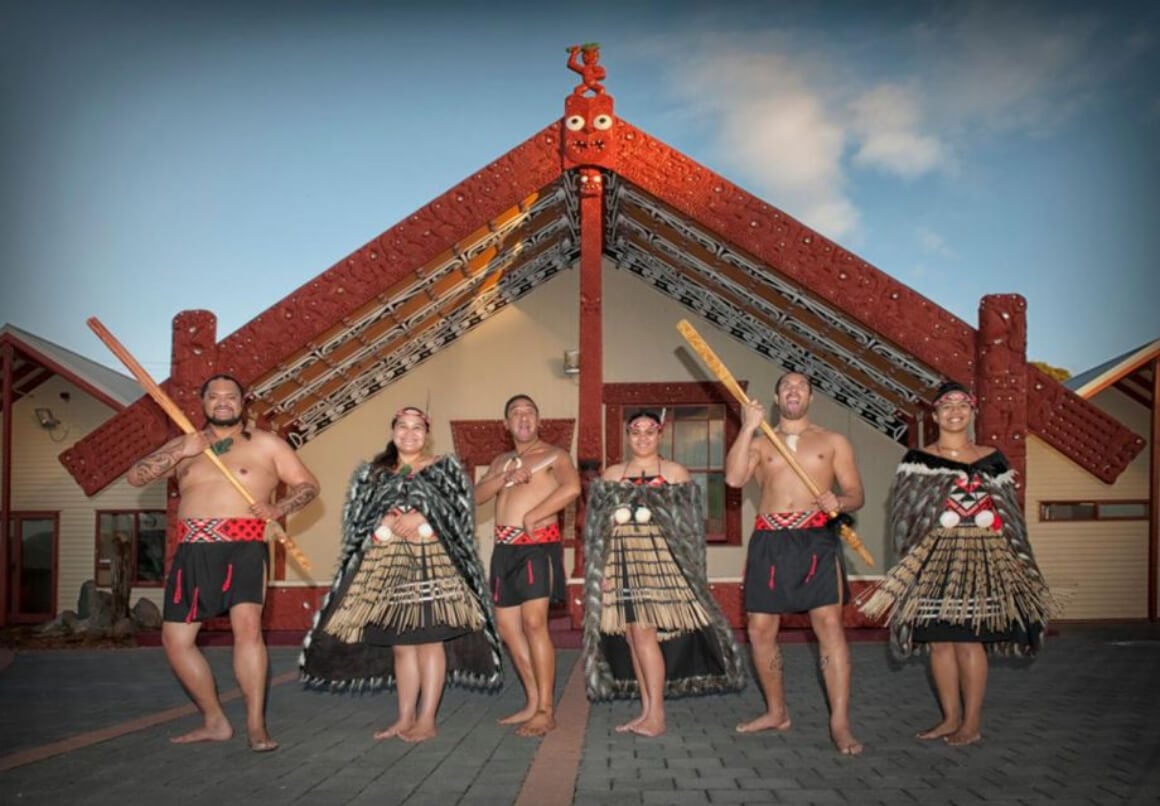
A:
[41,483]
[1099,569]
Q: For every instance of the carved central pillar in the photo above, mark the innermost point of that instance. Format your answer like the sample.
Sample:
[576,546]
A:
[590,420]
[588,144]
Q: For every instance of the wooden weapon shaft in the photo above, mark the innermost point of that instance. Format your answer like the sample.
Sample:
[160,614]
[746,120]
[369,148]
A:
[154,390]
[718,368]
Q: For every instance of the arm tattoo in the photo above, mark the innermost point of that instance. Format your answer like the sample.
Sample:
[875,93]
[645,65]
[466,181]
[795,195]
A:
[155,465]
[297,497]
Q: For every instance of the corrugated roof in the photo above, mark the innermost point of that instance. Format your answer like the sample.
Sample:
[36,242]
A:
[105,382]
[1100,377]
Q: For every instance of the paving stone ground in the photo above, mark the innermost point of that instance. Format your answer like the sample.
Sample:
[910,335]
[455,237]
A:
[1079,725]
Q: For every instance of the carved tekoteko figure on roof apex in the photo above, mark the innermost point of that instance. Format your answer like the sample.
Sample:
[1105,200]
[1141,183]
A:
[590,70]
[587,135]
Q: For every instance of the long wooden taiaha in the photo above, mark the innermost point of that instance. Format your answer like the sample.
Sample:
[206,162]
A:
[181,421]
[718,368]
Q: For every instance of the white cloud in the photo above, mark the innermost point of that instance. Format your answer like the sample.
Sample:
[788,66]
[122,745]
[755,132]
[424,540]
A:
[778,131]
[794,111]
[886,124]
[933,243]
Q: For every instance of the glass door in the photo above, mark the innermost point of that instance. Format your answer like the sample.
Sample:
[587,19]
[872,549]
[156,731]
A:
[32,552]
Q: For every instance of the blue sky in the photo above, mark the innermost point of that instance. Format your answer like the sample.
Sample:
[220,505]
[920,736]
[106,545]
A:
[162,156]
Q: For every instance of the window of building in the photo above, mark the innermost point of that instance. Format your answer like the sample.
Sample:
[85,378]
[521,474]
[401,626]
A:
[1093,510]
[698,432]
[144,534]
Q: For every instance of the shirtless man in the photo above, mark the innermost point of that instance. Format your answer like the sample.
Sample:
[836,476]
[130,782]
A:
[220,564]
[533,484]
[795,560]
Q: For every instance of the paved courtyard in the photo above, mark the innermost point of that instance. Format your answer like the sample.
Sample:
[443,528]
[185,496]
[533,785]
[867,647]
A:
[1079,725]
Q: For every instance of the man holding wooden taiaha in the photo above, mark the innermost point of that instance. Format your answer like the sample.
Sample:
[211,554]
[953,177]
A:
[795,561]
[220,564]
[531,485]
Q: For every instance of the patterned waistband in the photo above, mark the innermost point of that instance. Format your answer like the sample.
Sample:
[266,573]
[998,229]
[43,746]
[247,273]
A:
[777,521]
[515,536]
[220,530]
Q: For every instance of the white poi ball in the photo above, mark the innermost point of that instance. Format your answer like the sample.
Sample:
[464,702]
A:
[383,534]
[985,519]
[642,515]
[949,519]
[622,515]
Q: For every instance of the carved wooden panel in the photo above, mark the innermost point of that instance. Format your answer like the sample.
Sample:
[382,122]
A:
[1077,429]
[1001,384]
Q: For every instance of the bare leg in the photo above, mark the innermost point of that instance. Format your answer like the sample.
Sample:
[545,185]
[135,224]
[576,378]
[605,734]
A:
[763,629]
[534,615]
[636,670]
[407,682]
[433,675]
[651,675]
[250,664]
[835,662]
[972,660]
[511,630]
[191,668]
[944,668]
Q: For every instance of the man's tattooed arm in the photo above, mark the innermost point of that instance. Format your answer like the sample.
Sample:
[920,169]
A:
[297,497]
[156,464]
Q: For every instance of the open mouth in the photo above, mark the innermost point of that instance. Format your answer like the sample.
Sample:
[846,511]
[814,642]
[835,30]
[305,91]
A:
[596,144]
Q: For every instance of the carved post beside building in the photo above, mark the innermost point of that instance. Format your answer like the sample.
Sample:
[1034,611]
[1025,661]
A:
[194,358]
[1001,379]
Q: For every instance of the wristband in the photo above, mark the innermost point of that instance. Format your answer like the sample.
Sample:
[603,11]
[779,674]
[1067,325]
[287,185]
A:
[425,530]
[383,534]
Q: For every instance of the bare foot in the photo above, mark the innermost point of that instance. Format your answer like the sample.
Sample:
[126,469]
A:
[649,727]
[394,730]
[420,733]
[538,725]
[944,728]
[766,721]
[961,738]
[217,730]
[845,742]
[629,725]
[520,716]
[262,743]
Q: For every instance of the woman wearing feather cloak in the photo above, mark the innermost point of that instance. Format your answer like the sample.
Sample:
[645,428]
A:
[967,583]
[408,606]
[651,625]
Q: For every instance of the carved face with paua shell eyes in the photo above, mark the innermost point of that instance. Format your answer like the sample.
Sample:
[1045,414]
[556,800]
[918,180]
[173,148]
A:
[587,133]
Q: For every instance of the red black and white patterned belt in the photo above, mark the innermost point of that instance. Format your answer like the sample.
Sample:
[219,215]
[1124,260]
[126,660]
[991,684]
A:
[220,530]
[516,536]
[778,521]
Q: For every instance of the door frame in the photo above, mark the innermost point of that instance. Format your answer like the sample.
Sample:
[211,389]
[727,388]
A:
[15,553]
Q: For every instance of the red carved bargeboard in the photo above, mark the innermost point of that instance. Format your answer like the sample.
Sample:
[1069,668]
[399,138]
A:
[833,275]
[933,335]
[289,326]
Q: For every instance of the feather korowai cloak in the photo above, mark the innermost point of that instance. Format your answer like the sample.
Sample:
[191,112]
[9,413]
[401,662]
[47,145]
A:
[707,661]
[918,496]
[442,492]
